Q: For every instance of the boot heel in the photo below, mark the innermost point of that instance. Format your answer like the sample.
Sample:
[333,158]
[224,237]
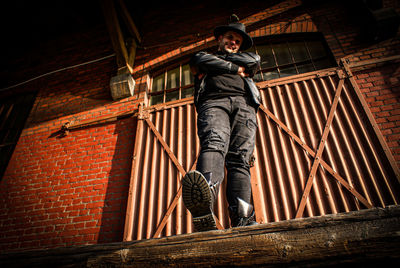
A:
[196,196]
[204,223]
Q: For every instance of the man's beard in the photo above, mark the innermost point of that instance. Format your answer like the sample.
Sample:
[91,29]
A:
[224,49]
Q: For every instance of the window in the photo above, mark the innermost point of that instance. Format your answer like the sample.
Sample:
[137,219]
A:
[292,54]
[13,114]
[172,84]
[281,56]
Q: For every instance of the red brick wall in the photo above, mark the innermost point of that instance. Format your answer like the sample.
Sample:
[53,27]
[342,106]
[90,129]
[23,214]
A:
[67,191]
[63,191]
[381,89]
[77,89]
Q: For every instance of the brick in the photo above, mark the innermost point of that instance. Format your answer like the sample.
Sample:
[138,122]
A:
[394,118]
[89,231]
[381,120]
[393,137]
[94,205]
[388,125]
[376,103]
[82,218]
[90,224]
[383,114]
[361,76]
[366,85]
[390,101]
[396,130]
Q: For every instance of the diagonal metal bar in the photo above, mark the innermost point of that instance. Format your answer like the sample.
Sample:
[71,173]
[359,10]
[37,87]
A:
[345,184]
[320,149]
[181,170]
[171,207]
[312,154]
[286,129]
[166,147]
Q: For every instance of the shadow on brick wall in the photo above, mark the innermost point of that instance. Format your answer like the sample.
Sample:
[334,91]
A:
[114,210]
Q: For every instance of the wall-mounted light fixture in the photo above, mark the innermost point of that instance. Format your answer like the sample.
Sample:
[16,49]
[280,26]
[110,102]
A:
[122,86]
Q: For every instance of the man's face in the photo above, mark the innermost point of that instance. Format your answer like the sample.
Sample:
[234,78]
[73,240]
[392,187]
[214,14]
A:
[230,42]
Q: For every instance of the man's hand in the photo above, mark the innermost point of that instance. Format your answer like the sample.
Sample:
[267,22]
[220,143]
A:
[195,71]
[241,72]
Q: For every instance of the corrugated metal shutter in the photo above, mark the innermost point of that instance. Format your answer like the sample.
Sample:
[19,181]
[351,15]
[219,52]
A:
[166,148]
[317,152]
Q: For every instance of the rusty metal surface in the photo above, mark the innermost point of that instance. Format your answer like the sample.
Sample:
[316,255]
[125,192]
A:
[352,172]
[351,151]
[155,185]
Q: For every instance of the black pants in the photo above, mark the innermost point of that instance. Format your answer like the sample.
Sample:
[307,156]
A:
[227,129]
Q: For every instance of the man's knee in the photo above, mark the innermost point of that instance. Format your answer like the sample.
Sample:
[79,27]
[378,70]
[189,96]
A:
[214,140]
[238,159]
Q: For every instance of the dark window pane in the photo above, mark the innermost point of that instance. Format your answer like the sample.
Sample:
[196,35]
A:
[287,71]
[187,77]
[173,78]
[187,92]
[316,48]
[323,63]
[158,83]
[267,58]
[299,51]
[156,99]
[171,96]
[282,53]
[258,78]
[271,75]
[304,68]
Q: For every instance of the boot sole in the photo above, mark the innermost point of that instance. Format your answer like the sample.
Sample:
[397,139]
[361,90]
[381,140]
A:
[196,196]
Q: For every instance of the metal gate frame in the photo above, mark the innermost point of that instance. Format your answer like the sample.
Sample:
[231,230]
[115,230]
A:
[343,73]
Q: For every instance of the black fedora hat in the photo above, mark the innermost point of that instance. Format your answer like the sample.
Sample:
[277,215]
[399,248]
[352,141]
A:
[236,27]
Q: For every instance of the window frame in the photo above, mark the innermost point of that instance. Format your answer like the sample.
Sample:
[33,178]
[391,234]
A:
[292,37]
[258,41]
[164,70]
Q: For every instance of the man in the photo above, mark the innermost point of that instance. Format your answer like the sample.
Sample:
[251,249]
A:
[226,100]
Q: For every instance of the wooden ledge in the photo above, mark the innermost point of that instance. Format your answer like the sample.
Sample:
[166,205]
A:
[368,236]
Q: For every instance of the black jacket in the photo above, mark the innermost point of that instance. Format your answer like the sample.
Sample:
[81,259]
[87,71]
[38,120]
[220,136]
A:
[228,63]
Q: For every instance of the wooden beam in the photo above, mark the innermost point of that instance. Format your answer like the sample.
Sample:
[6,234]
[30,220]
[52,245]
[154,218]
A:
[116,35]
[106,5]
[131,58]
[129,21]
[365,237]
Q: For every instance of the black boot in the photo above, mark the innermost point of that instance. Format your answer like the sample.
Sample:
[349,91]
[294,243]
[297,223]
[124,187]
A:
[199,196]
[242,215]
